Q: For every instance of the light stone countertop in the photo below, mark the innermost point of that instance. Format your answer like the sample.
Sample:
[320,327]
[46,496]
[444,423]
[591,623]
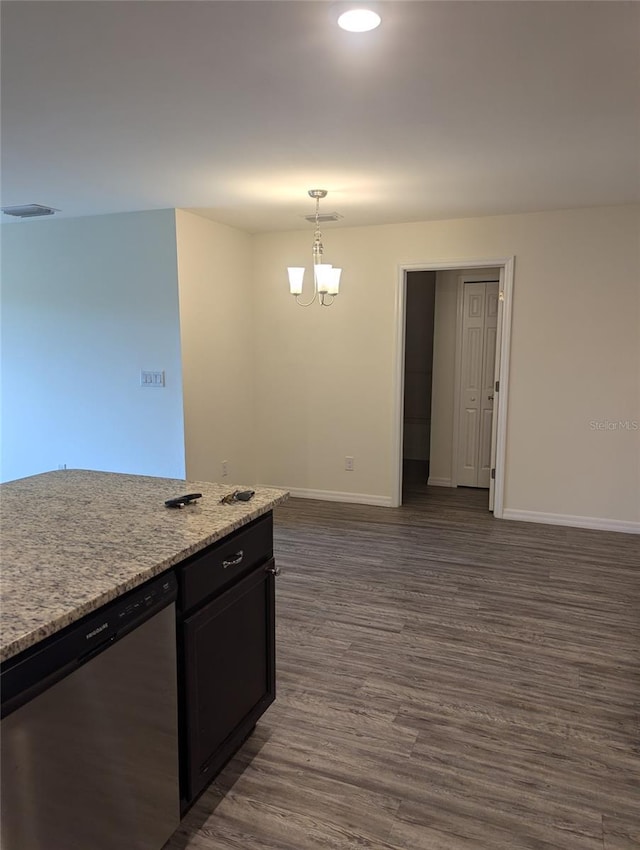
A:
[73,540]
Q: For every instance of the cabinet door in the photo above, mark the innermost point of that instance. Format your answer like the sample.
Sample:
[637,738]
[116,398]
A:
[229,653]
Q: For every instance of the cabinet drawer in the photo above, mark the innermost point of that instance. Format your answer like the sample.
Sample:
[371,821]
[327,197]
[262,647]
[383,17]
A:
[223,563]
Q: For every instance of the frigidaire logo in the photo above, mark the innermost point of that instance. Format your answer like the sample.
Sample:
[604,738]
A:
[97,631]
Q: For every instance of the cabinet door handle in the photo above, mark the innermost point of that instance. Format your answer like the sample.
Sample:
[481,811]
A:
[274,570]
[234,561]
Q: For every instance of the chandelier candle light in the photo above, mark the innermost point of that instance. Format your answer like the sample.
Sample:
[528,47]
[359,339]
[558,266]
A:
[326,278]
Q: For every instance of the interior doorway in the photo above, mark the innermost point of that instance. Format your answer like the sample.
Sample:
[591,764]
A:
[436,431]
[418,376]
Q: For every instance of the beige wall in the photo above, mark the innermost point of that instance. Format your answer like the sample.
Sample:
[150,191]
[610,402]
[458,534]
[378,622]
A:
[216,325]
[283,393]
[444,354]
[325,377]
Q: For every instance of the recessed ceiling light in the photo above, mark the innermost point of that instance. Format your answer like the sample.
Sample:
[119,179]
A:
[359,20]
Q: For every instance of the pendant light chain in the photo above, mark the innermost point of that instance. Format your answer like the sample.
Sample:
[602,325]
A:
[318,248]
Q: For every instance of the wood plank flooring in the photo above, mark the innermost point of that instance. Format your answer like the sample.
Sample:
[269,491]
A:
[446,681]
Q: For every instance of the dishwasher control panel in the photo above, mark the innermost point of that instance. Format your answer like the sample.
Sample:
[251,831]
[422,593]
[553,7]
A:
[132,607]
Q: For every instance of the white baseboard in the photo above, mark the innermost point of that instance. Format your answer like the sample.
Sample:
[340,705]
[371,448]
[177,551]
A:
[597,523]
[439,482]
[336,496]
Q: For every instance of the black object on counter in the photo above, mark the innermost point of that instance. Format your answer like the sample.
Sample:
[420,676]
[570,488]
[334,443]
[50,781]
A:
[179,501]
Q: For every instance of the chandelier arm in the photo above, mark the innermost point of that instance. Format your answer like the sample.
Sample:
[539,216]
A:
[309,303]
[324,303]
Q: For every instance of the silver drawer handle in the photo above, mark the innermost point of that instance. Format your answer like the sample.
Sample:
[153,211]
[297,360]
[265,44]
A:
[238,557]
[274,571]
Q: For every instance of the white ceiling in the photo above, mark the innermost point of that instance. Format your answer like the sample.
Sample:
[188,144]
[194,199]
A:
[236,108]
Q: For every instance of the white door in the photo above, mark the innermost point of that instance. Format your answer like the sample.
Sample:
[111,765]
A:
[479,328]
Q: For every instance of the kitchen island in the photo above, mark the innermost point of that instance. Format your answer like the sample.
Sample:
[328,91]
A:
[73,540]
[138,650]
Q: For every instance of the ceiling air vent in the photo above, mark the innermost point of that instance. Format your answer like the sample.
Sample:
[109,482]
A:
[334,216]
[29,211]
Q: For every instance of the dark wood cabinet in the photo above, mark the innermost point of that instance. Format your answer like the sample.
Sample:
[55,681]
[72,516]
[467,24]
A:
[226,650]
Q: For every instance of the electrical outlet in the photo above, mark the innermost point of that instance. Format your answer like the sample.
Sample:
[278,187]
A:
[349,464]
[225,468]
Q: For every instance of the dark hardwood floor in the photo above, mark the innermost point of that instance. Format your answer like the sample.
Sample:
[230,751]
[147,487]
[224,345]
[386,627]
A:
[446,681]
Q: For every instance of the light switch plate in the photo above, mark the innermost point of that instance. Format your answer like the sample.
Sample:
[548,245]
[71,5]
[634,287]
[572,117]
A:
[151,379]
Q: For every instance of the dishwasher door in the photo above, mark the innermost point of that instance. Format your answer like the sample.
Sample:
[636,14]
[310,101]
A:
[92,762]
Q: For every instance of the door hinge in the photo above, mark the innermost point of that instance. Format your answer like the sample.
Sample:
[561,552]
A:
[493,473]
[497,386]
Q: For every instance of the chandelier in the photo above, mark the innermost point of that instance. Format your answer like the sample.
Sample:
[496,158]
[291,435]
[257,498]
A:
[326,278]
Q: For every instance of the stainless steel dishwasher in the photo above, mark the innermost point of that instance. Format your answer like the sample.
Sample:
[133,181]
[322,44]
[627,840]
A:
[89,733]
